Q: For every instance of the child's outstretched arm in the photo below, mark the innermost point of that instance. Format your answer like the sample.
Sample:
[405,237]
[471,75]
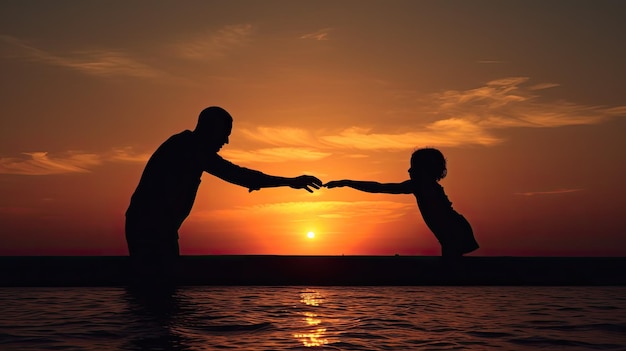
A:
[372,187]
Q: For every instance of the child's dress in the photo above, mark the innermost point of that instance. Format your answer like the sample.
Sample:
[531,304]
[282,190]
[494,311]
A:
[451,229]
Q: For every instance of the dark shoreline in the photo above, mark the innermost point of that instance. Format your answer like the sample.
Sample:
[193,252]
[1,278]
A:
[32,271]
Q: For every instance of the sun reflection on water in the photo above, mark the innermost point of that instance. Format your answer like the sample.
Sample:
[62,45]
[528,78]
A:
[311,298]
[311,319]
[316,336]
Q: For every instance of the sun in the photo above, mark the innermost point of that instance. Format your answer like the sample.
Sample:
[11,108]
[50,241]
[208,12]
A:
[310,235]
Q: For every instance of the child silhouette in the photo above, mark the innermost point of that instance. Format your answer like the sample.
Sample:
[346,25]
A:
[428,166]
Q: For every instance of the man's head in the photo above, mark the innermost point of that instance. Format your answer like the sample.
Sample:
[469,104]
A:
[213,128]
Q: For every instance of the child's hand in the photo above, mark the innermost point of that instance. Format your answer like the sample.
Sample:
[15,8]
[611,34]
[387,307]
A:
[335,184]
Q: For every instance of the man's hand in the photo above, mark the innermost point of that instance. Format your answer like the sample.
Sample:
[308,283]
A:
[335,184]
[304,182]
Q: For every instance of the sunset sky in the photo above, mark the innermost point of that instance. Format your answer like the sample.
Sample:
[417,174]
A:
[526,99]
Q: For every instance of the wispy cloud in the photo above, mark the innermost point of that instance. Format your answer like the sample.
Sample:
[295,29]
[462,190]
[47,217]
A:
[127,154]
[321,34]
[40,163]
[116,62]
[509,103]
[44,163]
[215,44]
[542,86]
[108,63]
[280,136]
[494,94]
[278,154]
[449,132]
[549,192]
[370,211]
[93,62]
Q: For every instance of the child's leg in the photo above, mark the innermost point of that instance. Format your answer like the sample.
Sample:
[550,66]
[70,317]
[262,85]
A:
[450,251]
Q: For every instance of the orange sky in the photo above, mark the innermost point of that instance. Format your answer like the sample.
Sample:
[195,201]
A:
[525,98]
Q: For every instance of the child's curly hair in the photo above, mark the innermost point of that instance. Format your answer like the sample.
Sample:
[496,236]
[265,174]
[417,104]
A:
[430,162]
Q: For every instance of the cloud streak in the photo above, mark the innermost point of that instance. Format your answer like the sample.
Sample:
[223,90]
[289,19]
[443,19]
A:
[321,34]
[40,163]
[273,155]
[115,62]
[43,163]
[215,44]
[509,103]
[127,154]
[549,192]
[92,62]
[450,132]
[280,136]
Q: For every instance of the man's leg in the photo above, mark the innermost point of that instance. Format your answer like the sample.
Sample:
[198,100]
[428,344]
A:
[153,257]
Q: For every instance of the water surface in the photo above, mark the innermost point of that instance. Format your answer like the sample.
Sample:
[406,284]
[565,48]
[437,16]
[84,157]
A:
[293,318]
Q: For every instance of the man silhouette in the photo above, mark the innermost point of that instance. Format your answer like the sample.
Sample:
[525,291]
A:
[170,180]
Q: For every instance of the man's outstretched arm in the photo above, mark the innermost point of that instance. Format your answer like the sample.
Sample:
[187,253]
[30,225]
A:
[256,180]
[301,182]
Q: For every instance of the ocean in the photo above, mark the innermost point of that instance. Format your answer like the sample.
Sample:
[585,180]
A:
[300,317]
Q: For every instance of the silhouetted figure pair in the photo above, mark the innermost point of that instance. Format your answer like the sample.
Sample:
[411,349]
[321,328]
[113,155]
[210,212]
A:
[170,180]
[167,190]
[428,166]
